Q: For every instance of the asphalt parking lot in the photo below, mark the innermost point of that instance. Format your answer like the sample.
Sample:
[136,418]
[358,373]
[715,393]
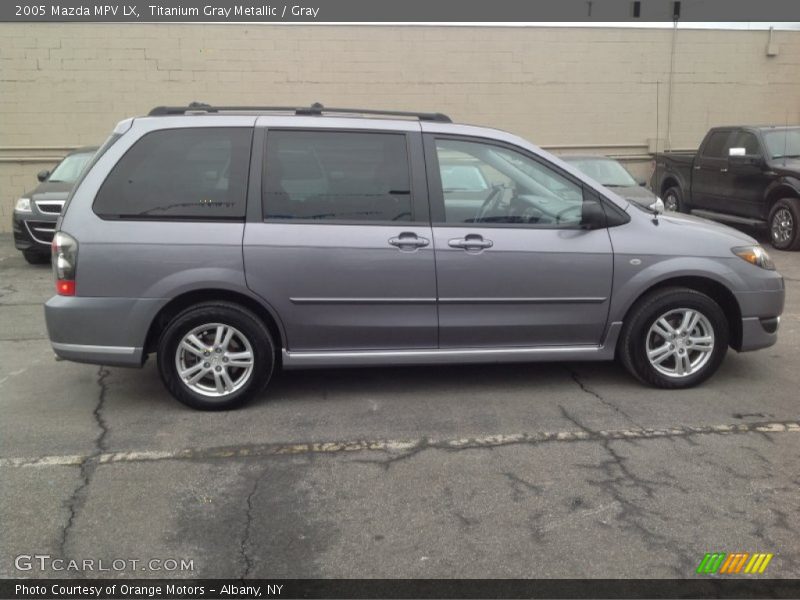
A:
[549,470]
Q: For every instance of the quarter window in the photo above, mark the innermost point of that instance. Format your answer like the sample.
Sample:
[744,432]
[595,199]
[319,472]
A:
[715,147]
[193,173]
[498,185]
[336,176]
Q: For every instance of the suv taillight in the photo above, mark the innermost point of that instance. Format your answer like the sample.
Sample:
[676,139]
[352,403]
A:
[65,262]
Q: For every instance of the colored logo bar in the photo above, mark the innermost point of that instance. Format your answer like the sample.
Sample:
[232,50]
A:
[734,563]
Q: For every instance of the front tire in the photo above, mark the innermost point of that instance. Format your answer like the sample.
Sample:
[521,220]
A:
[784,224]
[215,356]
[674,338]
[673,199]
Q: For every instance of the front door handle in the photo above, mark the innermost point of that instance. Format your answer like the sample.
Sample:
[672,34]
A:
[408,240]
[473,241]
[723,170]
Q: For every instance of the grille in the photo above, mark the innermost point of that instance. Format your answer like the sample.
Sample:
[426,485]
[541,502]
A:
[50,206]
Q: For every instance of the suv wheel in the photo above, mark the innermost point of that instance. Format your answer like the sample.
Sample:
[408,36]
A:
[674,338]
[35,258]
[784,224]
[672,199]
[215,356]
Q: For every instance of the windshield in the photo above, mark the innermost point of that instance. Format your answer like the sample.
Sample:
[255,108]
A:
[67,170]
[605,171]
[783,142]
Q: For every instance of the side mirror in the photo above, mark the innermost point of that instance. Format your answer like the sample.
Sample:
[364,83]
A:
[642,182]
[43,175]
[657,206]
[592,215]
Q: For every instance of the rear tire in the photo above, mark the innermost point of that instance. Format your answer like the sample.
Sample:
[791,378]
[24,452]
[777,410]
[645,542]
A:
[673,200]
[34,257]
[215,356]
[693,345]
[784,224]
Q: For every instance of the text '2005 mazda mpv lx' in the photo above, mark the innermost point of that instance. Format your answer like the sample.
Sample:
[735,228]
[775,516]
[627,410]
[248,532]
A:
[232,241]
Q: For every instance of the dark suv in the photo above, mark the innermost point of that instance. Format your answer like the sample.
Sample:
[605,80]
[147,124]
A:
[35,214]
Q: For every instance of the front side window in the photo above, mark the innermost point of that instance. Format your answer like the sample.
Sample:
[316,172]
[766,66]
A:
[748,141]
[514,189]
[336,176]
[192,173]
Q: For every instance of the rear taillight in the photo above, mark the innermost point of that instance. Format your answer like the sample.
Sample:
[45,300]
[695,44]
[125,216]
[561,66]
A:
[65,262]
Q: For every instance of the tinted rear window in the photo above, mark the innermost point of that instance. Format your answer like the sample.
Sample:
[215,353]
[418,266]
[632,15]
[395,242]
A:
[345,176]
[194,173]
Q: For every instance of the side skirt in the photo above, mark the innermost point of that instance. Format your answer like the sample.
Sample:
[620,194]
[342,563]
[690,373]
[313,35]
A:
[435,356]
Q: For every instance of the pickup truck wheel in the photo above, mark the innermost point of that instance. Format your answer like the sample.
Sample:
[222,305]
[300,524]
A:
[215,356]
[674,338]
[672,200]
[784,224]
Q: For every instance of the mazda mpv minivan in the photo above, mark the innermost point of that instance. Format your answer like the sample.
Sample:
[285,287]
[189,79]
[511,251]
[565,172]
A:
[232,241]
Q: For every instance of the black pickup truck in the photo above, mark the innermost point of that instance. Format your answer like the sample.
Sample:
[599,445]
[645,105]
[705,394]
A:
[739,175]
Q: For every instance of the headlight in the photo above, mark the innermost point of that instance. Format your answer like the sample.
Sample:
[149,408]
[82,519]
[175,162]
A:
[755,255]
[23,205]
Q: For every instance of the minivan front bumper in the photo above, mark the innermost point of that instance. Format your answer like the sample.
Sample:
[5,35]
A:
[108,331]
[761,312]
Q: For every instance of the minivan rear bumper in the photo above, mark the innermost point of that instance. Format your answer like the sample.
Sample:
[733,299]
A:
[108,331]
[121,356]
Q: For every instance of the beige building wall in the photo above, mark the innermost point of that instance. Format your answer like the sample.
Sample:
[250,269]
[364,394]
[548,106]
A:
[574,89]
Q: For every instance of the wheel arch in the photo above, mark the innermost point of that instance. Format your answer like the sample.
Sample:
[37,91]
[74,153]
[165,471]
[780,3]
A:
[711,288]
[192,297]
[670,181]
[783,188]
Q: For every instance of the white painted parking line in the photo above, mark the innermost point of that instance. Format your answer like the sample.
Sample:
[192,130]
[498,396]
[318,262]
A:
[399,447]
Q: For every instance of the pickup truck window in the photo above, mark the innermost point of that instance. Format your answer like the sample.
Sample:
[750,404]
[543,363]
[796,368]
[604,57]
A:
[783,142]
[715,146]
[748,141]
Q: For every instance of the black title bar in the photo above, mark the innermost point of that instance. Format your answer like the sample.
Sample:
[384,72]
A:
[80,589]
[417,11]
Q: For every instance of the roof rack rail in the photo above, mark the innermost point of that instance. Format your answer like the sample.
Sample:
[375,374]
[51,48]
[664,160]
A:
[315,109]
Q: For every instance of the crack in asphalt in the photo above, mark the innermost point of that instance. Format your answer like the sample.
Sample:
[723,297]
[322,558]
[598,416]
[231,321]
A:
[88,464]
[515,481]
[620,483]
[246,560]
[577,379]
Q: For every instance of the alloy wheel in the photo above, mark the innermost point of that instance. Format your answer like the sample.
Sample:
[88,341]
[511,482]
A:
[214,360]
[680,342]
[782,226]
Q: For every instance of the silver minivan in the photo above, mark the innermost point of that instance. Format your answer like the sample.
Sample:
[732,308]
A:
[232,241]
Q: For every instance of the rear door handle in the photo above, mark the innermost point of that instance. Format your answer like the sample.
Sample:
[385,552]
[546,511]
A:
[408,240]
[471,242]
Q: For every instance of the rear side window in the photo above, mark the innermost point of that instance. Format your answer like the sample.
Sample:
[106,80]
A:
[193,173]
[336,176]
[715,146]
